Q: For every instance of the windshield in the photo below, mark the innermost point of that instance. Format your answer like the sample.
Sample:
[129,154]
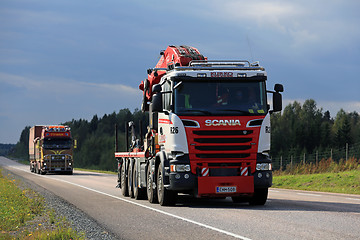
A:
[57,143]
[221,97]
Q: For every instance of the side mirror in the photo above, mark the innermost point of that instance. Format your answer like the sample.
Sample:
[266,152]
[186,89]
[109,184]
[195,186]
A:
[156,103]
[156,88]
[278,88]
[277,102]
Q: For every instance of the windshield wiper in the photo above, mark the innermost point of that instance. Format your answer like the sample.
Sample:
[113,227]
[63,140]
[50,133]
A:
[234,110]
[197,110]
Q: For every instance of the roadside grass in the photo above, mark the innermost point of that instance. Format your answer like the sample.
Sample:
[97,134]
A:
[23,215]
[324,176]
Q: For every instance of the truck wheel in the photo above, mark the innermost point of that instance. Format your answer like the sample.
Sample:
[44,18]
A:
[166,197]
[260,197]
[130,179]
[119,178]
[151,192]
[139,193]
[124,188]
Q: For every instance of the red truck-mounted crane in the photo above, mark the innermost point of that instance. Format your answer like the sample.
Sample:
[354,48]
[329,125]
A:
[208,133]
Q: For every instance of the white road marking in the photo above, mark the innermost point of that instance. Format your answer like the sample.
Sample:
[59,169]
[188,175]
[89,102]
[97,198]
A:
[309,194]
[356,199]
[147,207]
[270,190]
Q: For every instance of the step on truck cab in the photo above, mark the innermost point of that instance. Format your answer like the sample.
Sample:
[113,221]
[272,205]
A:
[208,134]
[51,149]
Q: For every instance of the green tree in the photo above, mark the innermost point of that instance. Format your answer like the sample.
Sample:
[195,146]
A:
[21,149]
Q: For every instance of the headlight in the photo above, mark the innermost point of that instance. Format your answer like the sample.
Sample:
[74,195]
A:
[263,166]
[180,168]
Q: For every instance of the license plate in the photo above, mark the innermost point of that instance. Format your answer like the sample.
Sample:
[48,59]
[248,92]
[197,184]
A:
[226,189]
[57,169]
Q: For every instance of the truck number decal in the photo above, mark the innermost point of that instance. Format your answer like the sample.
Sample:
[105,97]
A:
[267,129]
[174,130]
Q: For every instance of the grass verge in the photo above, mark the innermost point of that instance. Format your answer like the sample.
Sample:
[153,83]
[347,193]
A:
[324,176]
[23,215]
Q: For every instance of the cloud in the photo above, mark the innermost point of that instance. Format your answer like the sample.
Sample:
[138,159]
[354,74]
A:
[62,99]
[265,14]
[30,17]
[307,25]
[61,85]
[29,100]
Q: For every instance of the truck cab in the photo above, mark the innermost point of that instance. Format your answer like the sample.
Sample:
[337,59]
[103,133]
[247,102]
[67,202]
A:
[51,149]
[214,126]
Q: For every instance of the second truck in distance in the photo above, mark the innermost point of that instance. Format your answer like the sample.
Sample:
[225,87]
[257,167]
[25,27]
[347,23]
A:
[208,133]
[51,149]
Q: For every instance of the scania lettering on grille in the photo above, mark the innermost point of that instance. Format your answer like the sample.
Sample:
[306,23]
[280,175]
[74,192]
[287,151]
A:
[222,122]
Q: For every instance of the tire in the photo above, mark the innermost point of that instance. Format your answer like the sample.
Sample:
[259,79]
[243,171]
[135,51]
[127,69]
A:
[130,179]
[139,193]
[37,170]
[124,188]
[151,192]
[260,197]
[165,197]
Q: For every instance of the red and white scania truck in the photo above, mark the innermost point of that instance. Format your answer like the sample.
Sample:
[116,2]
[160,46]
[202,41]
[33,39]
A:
[51,149]
[208,133]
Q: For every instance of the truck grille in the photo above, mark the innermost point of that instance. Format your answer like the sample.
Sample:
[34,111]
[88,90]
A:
[223,150]
[222,155]
[221,144]
[222,132]
[57,161]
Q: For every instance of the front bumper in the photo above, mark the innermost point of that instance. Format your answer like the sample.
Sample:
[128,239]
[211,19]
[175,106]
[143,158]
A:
[262,179]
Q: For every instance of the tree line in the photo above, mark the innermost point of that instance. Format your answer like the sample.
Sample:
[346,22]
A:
[5,149]
[95,139]
[298,129]
[306,129]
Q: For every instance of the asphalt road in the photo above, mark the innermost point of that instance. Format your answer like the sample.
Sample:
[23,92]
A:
[288,214]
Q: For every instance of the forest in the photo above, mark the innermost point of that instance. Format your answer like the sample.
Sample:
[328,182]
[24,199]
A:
[306,133]
[298,133]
